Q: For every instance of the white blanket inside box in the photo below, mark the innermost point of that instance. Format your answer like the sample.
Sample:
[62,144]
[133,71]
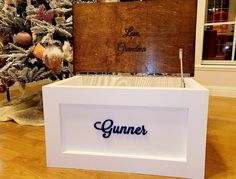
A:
[147,125]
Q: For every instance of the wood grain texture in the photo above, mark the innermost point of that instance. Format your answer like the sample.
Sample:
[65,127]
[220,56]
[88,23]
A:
[125,81]
[161,28]
[22,150]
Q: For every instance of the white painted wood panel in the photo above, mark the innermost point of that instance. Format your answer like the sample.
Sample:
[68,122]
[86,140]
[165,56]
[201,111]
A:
[168,125]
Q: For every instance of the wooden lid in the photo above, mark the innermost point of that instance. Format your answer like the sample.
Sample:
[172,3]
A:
[134,37]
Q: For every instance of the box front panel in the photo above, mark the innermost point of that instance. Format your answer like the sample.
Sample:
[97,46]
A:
[139,132]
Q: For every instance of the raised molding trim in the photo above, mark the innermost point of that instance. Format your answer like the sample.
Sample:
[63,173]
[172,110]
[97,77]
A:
[219,68]
[222,91]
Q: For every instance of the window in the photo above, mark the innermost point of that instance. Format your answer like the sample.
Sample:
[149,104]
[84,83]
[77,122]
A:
[219,42]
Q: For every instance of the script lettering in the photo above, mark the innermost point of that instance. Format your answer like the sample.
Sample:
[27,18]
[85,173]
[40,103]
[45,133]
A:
[121,47]
[108,127]
[129,32]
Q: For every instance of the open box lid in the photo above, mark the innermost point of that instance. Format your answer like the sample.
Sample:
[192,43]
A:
[134,37]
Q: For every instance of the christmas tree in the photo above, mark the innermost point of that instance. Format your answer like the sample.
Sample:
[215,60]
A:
[35,41]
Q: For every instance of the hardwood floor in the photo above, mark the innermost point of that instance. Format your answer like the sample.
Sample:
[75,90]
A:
[221,139]
[22,150]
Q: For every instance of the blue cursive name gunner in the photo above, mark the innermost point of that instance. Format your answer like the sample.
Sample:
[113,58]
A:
[108,127]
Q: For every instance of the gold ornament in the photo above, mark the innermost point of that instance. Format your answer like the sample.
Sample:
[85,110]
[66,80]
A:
[68,51]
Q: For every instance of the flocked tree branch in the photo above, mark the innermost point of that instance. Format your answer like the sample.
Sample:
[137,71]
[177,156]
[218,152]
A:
[21,64]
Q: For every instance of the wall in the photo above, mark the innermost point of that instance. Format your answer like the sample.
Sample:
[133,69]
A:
[232,5]
[221,81]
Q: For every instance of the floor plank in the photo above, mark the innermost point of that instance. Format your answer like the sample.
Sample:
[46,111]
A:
[22,150]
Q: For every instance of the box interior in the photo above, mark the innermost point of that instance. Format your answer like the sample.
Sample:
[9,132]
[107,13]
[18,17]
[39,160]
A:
[128,81]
